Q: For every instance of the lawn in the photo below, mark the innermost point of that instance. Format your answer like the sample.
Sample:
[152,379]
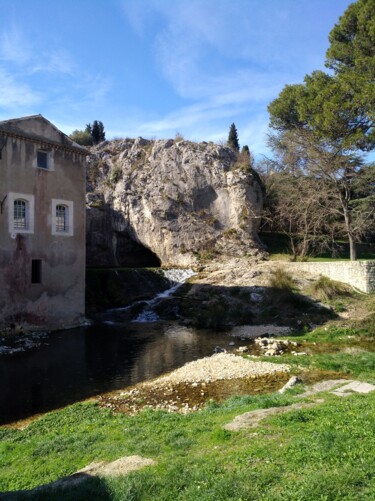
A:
[324,452]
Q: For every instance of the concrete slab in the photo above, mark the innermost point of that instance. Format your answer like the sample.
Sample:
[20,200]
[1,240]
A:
[354,386]
[327,385]
[252,419]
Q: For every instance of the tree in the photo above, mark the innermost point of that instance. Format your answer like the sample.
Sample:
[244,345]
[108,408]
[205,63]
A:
[330,117]
[93,134]
[233,138]
[245,150]
[335,187]
[81,137]
[294,205]
[338,107]
[97,132]
[352,40]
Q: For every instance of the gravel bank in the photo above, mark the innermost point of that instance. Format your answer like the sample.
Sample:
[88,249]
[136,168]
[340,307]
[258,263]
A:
[189,388]
[218,367]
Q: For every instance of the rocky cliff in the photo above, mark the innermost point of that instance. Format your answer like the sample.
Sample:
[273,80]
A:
[169,202]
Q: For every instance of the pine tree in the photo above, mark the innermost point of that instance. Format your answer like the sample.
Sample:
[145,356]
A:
[233,138]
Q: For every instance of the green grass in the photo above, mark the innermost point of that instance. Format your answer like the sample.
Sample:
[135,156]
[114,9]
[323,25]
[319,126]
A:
[324,452]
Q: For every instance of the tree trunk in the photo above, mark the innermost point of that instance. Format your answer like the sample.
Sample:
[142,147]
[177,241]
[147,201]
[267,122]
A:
[353,248]
[348,226]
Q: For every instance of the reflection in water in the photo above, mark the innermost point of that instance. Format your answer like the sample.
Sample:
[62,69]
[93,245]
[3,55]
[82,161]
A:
[80,363]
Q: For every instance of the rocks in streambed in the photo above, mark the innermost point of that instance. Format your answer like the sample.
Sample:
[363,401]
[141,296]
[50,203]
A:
[270,347]
[273,347]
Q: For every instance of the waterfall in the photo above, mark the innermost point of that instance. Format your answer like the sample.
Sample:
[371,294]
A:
[176,278]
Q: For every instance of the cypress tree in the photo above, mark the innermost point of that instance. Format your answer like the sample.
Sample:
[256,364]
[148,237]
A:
[233,138]
[95,132]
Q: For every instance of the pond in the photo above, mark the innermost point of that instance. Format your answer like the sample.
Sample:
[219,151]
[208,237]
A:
[76,364]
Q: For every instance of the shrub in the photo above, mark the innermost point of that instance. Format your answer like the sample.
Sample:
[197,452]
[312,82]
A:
[282,280]
[178,137]
[116,174]
[325,289]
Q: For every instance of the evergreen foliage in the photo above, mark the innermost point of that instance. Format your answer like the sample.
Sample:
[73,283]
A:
[93,134]
[97,132]
[233,138]
[337,108]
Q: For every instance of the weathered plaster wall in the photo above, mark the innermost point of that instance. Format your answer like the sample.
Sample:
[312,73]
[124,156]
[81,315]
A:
[358,274]
[58,301]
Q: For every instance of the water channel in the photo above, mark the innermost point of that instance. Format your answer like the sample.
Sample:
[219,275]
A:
[76,364]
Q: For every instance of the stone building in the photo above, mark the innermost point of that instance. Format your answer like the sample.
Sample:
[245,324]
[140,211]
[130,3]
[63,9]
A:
[42,226]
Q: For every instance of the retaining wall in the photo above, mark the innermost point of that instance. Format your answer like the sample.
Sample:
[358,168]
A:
[358,274]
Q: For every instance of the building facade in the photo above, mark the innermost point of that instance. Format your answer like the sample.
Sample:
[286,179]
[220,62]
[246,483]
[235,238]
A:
[42,226]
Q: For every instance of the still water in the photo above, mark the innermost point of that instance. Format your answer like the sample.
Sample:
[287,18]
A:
[79,363]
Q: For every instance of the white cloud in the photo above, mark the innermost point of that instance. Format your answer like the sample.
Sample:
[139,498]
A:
[15,94]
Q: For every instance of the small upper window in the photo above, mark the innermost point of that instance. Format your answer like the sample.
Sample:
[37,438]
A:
[42,159]
[20,214]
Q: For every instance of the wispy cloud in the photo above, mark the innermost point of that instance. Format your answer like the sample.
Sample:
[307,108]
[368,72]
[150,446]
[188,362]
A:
[13,47]
[16,94]
[200,43]
[226,58]
[54,61]
[32,74]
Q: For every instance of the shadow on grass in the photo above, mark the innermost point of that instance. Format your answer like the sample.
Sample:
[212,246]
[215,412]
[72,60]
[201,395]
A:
[78,486]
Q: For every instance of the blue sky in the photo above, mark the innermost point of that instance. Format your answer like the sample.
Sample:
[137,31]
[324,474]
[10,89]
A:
[153,68]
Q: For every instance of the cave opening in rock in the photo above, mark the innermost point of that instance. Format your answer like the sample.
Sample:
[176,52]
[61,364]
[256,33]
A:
[132,254]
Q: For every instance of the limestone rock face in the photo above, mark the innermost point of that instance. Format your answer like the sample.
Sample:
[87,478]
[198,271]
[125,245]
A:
[182,201]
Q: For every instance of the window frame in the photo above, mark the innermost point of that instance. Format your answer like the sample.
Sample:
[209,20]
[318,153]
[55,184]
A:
[42,158]
[69,220]
[20,214]
[49,159]
[29,212]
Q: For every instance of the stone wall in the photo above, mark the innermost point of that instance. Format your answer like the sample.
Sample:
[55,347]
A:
[358,274]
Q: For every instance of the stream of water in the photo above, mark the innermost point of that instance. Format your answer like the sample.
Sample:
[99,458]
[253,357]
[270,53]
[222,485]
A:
[76,364]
